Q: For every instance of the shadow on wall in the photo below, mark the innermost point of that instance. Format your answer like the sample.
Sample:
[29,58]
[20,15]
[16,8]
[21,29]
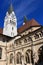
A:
[40,54]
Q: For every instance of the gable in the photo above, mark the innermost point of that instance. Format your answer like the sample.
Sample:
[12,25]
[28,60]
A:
[27,25]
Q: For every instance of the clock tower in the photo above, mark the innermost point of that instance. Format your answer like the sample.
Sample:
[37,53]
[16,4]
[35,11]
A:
[10,23]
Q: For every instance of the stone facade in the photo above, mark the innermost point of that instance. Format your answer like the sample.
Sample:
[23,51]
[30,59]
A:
[22,49]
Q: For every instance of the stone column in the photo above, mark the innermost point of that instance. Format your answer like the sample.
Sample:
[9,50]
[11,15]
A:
[13,59]
[30,57]
[13,54]
[22,57]
[36,57]
[14,62]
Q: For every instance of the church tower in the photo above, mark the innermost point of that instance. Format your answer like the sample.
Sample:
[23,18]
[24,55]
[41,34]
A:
[10,23]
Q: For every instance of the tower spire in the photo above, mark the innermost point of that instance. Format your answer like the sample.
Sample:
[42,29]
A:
[10,8]
[10,24]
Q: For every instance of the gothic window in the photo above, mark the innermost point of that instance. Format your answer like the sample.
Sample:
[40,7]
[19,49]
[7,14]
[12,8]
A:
[0,53]
[18,58]
[27,57]
[32,60]
[11,58]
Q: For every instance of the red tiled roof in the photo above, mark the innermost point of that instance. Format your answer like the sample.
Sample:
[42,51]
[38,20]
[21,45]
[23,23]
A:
[1,31]
[27,25]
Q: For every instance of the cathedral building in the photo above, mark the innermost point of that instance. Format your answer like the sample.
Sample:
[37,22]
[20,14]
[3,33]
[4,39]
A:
[20,46]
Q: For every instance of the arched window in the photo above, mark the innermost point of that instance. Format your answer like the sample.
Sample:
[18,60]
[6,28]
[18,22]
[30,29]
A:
[11,58]
[27,57]
[18,58]
[0,53]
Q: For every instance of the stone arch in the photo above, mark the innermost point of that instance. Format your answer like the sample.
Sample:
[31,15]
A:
[18,57]
[28,56]
[38,46]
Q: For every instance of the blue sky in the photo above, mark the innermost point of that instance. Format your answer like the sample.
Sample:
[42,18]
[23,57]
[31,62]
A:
[29,8]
